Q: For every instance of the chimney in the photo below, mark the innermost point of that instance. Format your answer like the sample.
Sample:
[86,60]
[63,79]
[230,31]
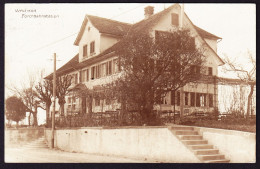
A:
[148,11]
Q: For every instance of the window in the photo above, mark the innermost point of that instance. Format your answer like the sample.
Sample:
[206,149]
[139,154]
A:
[97,71]
[197,99]
[103,70]
[71,103]
[108,101]
[92,47]
[115,66]
[210,71]
[178,98]
[210,100]
[202,100]
[97,102]
[85,50]
[109,68]
[172,97]
[195,69]
[186,98]
[93,73]
[192,99]
[175,19]
[82,76]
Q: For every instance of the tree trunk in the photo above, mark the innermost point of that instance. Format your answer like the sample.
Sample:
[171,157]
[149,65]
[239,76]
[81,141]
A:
[122,112]
[61,103]
[48,106]
[90,101]
[62,109]
[249,100]
[29,118]
[35,120]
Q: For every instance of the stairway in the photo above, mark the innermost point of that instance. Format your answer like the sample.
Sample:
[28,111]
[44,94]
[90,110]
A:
[205,152]
[39,143]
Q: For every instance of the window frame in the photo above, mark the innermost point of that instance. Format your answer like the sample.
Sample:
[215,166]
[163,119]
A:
[92,47]
[85,51]
[175,18]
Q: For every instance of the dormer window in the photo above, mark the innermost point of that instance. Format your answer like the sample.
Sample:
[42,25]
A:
[175,19]
[92,47]
[85,50]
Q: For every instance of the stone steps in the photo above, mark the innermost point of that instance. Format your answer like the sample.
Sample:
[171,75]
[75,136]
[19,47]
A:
[194,141]
[39,143]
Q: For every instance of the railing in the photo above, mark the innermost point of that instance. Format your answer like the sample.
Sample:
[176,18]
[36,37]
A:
[131,118]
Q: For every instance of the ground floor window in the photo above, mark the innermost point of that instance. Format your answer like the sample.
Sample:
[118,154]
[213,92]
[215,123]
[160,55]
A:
[192,99]
[186,100]
[210,100]
[178,98]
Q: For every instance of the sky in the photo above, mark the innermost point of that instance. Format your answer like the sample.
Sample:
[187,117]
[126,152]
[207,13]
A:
[31,42]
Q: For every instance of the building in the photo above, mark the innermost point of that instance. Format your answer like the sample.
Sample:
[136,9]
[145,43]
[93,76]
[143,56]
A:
[96,63]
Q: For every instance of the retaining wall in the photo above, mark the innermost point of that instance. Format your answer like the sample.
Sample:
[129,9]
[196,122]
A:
[21,136]
[156,144]
[237,146]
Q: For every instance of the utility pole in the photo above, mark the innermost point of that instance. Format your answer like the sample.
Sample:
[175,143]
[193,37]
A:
[54,98]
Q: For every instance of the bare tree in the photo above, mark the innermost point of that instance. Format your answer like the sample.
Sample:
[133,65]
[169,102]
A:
[246,76]
[45,90]
[29,95]
[154,66]
[63,83]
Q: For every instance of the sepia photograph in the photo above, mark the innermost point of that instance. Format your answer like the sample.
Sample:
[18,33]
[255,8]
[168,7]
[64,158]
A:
[130,83]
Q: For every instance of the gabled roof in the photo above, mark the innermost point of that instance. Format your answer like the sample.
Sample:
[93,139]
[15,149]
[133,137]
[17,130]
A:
[117,28]
[104,25]
[206,34]
[120,29]
[70,65]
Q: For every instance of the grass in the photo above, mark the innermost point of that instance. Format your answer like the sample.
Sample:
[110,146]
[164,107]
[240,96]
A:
[247,126]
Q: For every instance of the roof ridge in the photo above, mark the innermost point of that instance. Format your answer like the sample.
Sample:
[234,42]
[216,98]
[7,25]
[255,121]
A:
[109,19]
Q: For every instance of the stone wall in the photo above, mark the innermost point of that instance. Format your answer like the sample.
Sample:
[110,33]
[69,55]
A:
[153,143]
[21,136]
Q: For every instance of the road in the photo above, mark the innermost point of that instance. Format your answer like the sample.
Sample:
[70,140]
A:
[46,155]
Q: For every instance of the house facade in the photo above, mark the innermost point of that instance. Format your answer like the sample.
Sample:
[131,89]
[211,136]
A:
[96,63]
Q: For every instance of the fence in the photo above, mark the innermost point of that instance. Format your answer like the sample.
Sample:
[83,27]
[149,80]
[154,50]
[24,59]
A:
[112,118]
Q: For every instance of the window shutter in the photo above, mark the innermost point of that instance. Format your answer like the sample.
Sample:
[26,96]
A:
[85,51]
[87,75]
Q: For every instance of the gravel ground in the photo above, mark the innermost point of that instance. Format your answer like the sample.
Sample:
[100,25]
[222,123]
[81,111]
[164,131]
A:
[46,155]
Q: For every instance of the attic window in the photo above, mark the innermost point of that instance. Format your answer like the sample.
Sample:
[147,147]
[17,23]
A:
[175,19]
[85,50]
[89,28]
[92,47]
